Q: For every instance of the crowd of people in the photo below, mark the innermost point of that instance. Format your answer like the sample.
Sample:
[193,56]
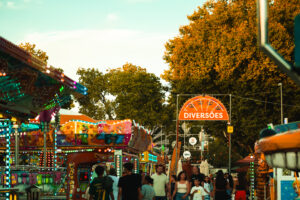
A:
[160,187]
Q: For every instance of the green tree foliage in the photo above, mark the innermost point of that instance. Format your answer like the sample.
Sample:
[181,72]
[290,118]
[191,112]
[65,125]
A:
[42,55]
[31,48]
[218,149]
[217,53]
[134,94]
[96,103]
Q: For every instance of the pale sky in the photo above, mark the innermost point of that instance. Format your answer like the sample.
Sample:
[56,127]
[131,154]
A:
[96,33]
[99,34]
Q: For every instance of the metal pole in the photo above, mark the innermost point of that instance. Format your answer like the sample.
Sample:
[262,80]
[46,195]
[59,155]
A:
[281,102]
[16,148]
[263,40]
[15,126]
[201,153]
[183,140]
[161,134]
[177,120]
[177,133]
[54,148]
[45,143]
[229,137]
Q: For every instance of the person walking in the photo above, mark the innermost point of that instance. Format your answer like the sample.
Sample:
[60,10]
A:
[113,176]
[241,187]
[182,187]
[147,189]
[196,175]
[172,184]
[101,186]
[220,186]
[130,184]
[230,188]
[160,181]
[197,191]
[206,188]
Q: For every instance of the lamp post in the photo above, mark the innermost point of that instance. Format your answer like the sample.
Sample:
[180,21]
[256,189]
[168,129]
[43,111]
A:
[281,105]
[15,127]
[229,137]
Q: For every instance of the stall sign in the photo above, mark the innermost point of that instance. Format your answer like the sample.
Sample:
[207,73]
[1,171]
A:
[145,157]
[102,133]
[193,141]
[203,108]
[71,178]
[229,129]
[118,162]
[187,154]
[152,157]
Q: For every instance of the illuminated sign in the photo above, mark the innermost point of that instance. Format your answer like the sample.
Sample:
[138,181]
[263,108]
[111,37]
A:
[135,165]
[71,178]
[118,162]
[146,157]
[6,130]
[152,158]
[203,108]
[252,179]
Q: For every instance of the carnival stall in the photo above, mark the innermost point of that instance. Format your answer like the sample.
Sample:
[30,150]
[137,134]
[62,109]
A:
[109,143]
[29,87]
[82,142]
[279,148]
[147,162]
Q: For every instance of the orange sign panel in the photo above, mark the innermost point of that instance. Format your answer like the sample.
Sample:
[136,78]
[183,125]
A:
[203,108]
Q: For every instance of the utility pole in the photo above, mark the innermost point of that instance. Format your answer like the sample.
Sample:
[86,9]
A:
[229,137]
[177,135]
[281,103]
[161,134]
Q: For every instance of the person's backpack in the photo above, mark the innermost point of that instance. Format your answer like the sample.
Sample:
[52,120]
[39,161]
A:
[108,183]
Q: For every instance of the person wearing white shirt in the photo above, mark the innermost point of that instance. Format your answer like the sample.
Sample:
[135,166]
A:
[113,176]
[206,188]
[160,181]
[197,192]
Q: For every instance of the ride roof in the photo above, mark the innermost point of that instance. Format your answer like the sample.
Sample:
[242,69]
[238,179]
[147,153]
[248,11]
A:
[28,86]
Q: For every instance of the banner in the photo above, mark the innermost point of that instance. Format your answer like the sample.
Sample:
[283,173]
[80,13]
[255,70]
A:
[203,108]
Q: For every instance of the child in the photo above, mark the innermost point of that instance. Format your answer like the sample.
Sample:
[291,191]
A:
[206,188]
[147,189]
[197,191]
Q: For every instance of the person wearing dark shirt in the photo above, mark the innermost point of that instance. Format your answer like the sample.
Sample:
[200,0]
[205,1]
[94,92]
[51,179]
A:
[220,187]
[241,187]
[196,175]
[130,184]
[172,184]
[101,187]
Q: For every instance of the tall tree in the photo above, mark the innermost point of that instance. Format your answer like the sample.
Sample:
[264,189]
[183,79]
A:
[96,103]
[126,92]
[217,53]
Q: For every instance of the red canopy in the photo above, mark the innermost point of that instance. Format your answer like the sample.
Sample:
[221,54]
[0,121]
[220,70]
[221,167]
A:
[245,160]
[241,169]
